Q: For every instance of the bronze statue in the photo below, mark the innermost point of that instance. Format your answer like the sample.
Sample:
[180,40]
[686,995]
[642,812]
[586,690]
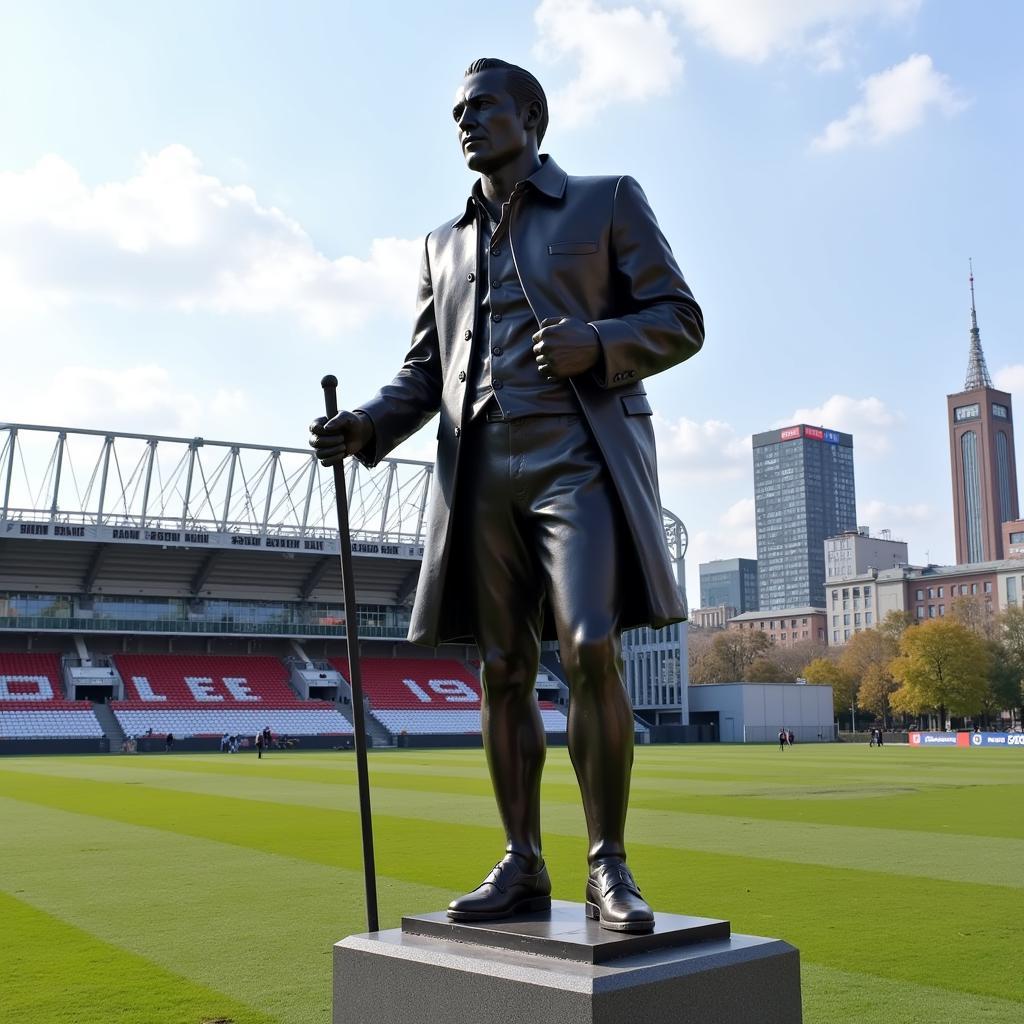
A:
[541,308]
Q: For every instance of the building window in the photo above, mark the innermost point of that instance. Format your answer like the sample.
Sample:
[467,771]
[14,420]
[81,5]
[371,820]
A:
[1011,591]
[867,593]
[974,588]
[868,618]
[1000,410]
[846,619]
[942,611]
[846,634]
[835,636]
[805,634]
[972,496]
[931,593]
[931,611]
[856,592]
[920,595]
[783,636]
[988,586]
[846,593]
[963,589]
[856,619]
[920,611]
[942,591]
[803,622]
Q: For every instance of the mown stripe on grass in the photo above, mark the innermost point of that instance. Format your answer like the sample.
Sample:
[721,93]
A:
[945,857]
[760,896]
[255,926]
[54,973]
[918,798]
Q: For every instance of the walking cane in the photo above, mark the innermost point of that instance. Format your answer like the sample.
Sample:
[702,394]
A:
[330,386]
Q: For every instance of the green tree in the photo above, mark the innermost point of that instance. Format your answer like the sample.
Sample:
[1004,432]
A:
[825,672]
[1008,680]
[942,664]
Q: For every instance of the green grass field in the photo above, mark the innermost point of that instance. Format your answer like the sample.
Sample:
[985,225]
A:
[185,888]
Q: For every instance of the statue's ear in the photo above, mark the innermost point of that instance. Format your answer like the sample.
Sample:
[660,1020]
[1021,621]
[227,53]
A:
[534,113]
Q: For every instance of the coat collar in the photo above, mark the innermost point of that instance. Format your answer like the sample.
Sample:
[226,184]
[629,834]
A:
[549,179]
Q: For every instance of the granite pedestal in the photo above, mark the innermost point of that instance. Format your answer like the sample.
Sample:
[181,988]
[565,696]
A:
[561,968]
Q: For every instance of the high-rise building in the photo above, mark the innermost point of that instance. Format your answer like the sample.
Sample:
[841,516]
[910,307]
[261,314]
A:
[982,458]
[729,581]
[803,492]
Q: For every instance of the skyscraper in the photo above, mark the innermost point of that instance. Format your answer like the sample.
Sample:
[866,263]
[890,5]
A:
[982,458]
[803,492]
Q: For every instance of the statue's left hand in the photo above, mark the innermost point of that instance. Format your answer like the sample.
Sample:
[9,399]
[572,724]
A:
[564,347]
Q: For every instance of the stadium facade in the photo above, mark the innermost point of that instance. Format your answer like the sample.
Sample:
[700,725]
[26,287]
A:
[144,570]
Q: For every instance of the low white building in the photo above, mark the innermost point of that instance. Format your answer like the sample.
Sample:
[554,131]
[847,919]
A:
[755,712]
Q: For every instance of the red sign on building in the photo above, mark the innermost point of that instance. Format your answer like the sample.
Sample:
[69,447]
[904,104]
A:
[790,432]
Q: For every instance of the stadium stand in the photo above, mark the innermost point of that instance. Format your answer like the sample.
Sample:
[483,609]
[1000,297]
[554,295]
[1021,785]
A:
[427,696]
[209,695]
[32,703]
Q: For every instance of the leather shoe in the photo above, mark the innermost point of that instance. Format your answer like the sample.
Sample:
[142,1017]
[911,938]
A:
[613,898]
[507,890]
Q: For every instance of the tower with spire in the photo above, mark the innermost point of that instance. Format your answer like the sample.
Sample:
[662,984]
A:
[982,457]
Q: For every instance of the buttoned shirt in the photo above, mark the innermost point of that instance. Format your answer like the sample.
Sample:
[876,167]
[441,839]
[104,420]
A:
[504,367]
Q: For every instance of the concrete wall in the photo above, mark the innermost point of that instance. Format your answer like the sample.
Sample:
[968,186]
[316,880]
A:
[754,712]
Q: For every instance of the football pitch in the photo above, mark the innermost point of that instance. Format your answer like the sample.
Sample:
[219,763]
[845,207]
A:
[179,889]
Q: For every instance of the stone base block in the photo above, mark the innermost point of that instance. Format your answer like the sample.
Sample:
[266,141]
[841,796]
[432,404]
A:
[564,971]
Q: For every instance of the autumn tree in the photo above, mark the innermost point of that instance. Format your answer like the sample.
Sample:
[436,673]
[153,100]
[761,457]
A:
[868,657]
[942,664]
[1008,676]
[729,656]
[826,672]
[767,670]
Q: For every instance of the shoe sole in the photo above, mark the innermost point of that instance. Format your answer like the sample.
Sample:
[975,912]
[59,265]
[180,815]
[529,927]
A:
[534,905]
[633,927]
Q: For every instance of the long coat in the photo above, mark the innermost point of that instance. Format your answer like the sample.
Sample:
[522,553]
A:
[586,247]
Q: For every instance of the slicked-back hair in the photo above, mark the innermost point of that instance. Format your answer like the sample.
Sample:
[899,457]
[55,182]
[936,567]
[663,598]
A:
[522,87]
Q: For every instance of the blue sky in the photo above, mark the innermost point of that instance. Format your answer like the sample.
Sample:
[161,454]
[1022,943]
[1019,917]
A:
[204,207]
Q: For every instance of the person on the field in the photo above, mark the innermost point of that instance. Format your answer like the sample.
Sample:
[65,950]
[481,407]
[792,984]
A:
[782,739]
[259,746]
[542,308]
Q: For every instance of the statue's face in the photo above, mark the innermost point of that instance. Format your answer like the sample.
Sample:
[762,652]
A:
[491,131]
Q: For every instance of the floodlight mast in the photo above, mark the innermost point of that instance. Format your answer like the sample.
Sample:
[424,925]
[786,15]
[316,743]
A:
[330,386]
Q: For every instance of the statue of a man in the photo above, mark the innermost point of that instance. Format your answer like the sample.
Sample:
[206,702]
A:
[541,309]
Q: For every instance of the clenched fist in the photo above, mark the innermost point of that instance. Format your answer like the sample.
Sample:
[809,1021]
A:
[341,435]
[565,347]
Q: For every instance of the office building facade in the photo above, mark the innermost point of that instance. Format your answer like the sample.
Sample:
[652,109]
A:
[804,492]
[853,553]
[729,581]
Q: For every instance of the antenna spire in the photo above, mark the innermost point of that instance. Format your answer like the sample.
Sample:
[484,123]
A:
[977,370]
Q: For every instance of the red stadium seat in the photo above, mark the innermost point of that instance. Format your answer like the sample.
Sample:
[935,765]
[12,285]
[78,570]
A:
[33,705]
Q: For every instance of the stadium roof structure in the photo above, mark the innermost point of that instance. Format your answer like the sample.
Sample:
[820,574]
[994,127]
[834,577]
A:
[91,511]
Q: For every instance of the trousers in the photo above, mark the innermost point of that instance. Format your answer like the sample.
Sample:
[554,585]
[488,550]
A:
[539,530]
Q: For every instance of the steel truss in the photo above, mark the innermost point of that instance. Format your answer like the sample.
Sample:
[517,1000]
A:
[145,481]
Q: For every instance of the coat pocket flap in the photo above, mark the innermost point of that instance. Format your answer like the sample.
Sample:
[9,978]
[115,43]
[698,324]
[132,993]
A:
[637,405]
[571,248]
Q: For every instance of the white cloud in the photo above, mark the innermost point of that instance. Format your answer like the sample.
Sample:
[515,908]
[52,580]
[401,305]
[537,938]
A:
[139,399]
[621,54]
[754,30]
[894,102]
[173,237]
[733,535]
[1011,379]
[691,452]
[868,419]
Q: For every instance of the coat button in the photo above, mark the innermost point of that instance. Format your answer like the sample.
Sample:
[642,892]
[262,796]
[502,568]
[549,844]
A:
[458,431]
[497,284]
[468,335]
[471,276]
[632,373]
[496,251]
[496,317]
[497,385]
[462,375]
[496,351]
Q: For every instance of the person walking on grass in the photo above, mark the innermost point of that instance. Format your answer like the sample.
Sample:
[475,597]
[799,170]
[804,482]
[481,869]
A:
[782,739]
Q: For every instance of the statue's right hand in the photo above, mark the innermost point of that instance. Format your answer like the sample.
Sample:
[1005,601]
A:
[342,435]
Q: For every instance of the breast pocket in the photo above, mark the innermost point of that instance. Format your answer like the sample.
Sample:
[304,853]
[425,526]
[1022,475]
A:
[571,248]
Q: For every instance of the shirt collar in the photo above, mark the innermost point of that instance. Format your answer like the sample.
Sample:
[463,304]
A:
[549,179]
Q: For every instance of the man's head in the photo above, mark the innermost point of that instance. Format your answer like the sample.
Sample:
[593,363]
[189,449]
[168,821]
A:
[500,110]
